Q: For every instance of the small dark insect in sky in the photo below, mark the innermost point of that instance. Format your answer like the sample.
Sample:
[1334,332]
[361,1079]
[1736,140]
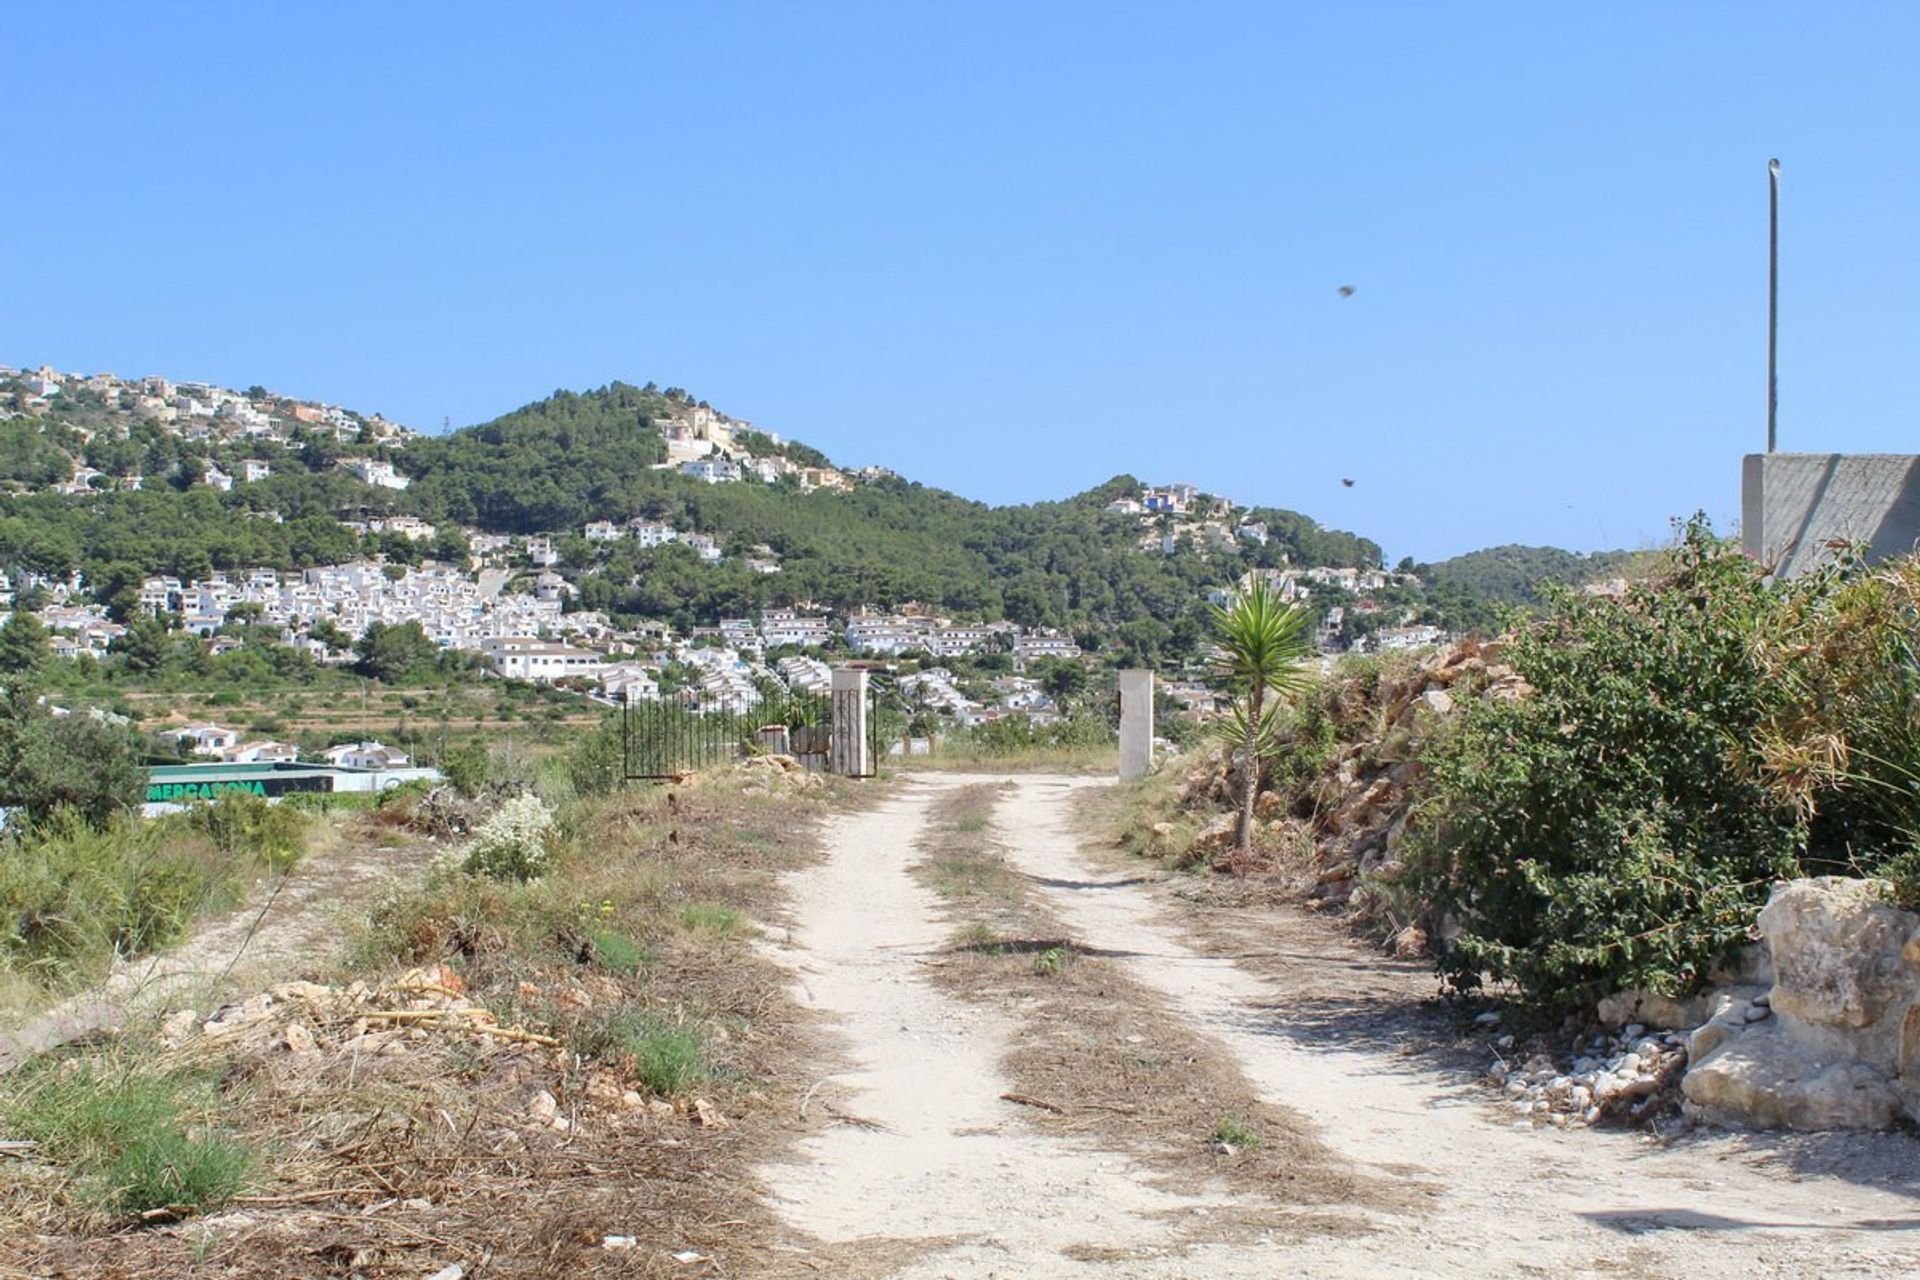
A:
[1346,291]
[1346,482]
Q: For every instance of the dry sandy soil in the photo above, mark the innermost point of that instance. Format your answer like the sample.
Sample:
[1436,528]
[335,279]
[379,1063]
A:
[945,1178]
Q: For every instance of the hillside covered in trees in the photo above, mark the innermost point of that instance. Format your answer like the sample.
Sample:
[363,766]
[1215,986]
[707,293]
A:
[555,465]
[1514,574]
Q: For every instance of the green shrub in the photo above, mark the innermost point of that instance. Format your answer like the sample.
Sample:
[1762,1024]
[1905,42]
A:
[1609,831]
[171,1169]
[85,763]
[597,764]
[403,797]
[466,768]
[1843,744]
[710,916]
[72,896]
[129,1136]
[667,1059]
[310,802]
[617,953]
[243,824]
[1233,1132]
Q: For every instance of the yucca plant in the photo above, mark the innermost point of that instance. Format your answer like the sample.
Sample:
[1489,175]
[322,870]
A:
[1261,646]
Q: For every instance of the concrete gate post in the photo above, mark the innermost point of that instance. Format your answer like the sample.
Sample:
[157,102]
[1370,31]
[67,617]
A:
[1136,724]
[850,754]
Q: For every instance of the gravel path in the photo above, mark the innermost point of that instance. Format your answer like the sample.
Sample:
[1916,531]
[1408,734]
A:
[928,1152]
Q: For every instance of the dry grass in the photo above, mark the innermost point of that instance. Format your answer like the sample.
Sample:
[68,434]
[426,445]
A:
[398,1126]
[1099,1055]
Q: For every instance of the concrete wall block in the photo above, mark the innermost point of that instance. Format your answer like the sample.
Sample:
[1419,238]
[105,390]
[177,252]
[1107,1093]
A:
[1794,505]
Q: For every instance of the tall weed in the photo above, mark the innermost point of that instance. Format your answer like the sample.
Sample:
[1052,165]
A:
[136,1141]
[75,895]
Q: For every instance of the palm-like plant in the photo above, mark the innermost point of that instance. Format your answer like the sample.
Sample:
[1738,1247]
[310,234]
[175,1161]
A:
[1261,645]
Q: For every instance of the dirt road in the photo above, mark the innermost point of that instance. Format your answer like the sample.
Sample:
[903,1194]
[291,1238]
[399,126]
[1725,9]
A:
[942,1177]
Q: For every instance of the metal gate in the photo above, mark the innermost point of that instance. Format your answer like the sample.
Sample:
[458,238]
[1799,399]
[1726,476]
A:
[682,733]
[686,732]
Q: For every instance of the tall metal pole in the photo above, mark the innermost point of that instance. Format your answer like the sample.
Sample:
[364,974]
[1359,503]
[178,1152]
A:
[1773,303]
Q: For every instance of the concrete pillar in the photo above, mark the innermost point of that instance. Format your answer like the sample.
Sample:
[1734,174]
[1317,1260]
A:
[1136,724]
[851,752]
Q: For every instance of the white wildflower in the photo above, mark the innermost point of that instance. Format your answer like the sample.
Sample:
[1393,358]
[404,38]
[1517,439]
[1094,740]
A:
[514,843]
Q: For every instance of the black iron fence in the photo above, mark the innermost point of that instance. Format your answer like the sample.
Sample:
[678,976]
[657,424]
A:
[681,734]
[686,732]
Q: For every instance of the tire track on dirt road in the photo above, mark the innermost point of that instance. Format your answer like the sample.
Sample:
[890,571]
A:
[1513,1201]
[928,1164]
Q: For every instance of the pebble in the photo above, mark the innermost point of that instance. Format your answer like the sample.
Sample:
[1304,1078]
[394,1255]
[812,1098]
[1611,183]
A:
[1623,1071]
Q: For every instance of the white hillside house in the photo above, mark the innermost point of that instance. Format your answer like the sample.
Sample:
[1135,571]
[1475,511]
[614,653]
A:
[542,661]
[375,472]
[367,755]
[202,739]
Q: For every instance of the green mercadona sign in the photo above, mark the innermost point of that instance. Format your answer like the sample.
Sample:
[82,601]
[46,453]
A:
[178,784]
[201,790]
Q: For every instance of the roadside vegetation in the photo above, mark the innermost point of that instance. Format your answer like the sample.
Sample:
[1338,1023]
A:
[83,880]
[571,1002]
[78,896]
[1604,797]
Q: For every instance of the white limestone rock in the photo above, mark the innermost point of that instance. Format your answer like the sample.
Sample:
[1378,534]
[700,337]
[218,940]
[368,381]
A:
[1764,1079]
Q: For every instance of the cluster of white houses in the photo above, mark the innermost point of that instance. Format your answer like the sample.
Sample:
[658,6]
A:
[457,612]
[201,411]
[527,635]
[449,604]
[1209,523]
[230,745]
[701,444]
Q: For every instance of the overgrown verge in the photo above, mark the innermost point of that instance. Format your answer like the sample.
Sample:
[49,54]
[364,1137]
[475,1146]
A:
[1095,1052]
[1602,799]
[75,894]
[560,1056]
[1336,794]
[1612,830]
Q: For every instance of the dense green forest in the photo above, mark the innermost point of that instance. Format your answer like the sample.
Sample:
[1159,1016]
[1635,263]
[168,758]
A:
[1514,574]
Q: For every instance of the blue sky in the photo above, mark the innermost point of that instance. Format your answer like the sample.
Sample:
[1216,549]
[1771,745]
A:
[1013,249]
